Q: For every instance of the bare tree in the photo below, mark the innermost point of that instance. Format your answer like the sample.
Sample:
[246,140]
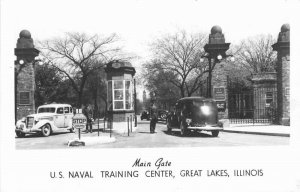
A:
[157,81]
[96,86]
[179,54]
[77,55]
[256,54]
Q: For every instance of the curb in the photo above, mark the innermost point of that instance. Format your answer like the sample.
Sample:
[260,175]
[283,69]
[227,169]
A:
[258,133]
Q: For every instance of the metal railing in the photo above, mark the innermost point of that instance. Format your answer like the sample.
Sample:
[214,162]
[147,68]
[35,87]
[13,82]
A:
[256,116]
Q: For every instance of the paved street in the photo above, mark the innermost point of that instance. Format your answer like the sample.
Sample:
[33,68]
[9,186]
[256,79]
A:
[143,139]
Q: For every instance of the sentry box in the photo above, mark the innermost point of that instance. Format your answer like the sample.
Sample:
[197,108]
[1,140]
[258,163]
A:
[120,91]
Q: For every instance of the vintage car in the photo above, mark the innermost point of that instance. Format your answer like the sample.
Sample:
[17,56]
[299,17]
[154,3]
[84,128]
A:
[145,115]
[194,113]
[162,114]
[49,118]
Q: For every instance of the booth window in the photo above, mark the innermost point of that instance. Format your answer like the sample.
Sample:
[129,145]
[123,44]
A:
[120,94]
[128,95]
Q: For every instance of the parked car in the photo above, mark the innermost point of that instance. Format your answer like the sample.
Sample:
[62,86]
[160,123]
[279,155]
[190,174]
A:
[194,113]
[162,114]
[49,118]
[145,115]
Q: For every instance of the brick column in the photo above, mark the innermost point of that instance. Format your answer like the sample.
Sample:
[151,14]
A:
[219,89]
[283,74]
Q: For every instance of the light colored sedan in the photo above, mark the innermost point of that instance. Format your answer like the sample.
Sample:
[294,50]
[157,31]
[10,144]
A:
[49,118]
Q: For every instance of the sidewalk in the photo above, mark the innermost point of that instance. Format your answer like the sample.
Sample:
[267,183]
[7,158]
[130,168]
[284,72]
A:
[259,129]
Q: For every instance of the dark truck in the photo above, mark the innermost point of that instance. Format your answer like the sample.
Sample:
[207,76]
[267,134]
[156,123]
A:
[195,113]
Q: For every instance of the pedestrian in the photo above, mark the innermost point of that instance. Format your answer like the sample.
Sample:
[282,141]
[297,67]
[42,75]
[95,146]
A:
[153,120]
[88,114]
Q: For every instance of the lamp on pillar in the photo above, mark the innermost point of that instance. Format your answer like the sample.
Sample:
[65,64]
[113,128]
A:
[24,75]
[215,50]
[283,74]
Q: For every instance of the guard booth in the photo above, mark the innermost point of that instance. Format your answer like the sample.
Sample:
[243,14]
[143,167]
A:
[120,89]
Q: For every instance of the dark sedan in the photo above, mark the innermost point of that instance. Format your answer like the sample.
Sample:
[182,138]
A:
[195,113]
[145,115]
[162,114]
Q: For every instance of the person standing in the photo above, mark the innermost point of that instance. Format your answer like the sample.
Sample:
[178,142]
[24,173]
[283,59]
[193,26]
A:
[88,114]
[153,121]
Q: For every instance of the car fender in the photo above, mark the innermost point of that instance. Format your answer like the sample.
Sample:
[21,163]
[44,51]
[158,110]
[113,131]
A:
[19,123]
[41,123]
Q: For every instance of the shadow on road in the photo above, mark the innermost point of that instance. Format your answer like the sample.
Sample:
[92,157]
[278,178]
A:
[143,122]
[38,135]
[191,134]
[145,132]
[147,122]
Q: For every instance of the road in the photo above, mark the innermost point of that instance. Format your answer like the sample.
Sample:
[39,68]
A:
[143,139]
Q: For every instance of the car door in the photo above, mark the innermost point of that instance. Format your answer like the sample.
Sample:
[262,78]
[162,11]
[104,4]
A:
[68,116]
[59,120]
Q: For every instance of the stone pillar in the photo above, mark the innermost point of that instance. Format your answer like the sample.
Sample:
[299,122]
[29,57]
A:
[120,93]
[283,74]
[219,89]
[265,95]
[217,77]
[24,75]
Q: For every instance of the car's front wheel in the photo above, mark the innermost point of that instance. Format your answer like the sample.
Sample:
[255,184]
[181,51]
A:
[46,130]
[20,134]
[72,130]
[183,130]
[215,133]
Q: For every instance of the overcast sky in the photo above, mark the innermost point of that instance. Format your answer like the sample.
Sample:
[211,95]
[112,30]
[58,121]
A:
[138,22]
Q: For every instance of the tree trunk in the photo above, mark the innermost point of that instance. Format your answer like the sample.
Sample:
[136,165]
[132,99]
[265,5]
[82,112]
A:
[80,93]
[105,101]
[182,91]
[79,102]
[96,110]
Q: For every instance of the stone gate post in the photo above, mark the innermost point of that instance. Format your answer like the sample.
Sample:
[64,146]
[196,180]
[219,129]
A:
[24,75]
[283,74]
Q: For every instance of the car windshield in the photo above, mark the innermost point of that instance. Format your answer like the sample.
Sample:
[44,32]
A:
[46,110]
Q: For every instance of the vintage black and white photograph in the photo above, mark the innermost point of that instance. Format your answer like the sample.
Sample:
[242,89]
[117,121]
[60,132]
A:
[178,88]
[171,78]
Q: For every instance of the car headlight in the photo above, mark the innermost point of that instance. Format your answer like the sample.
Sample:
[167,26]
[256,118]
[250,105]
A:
[205,110]
[188,121]
[23,119]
